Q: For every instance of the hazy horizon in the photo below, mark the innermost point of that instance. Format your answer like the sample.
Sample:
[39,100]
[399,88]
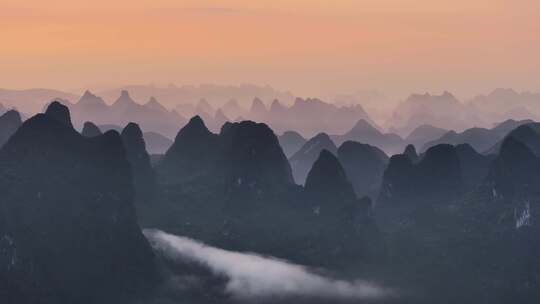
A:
[312,49]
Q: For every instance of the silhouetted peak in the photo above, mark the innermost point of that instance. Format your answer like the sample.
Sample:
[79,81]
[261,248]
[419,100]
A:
[503,93]
[447,94]
[529,135]
[363,125]
[319,141]
[9,123]
[203,103]
[466,148]
[410,151]
[352,151]
[439,153]
[132,130]
[90,130]
[59,112]
[12,117]
[439,170]
[360,149]
[400,163]
[251,130]
[112,144]
[124,99]
[155,105]
[321,137]
[257,106]
[444,97]
[196,122]
[193,129]
[512,148]
[253,156]
[328,177]
[88,94]
[88,98]
[220,116]
[292,134]
[276,106]
[124,94]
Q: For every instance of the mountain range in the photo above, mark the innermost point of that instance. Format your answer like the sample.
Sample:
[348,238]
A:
[364,205]
[481,139]
[67,219]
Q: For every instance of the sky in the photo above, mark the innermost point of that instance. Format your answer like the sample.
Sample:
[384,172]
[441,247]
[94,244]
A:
[310,47]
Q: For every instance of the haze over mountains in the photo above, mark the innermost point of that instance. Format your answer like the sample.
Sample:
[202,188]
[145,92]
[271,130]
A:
[283,111]
[75,204]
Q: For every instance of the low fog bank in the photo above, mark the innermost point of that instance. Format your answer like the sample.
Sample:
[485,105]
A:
[249,276]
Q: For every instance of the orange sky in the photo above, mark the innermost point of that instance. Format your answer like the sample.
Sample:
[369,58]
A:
[311,47]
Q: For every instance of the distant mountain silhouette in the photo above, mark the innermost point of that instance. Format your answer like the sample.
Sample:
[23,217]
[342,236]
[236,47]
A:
[277,109]
[258,110]
[503,104]
[303,159]
[151,116]
[204,108]
[442,111]
[216,95]
[31,100]
[423,134]
[76,237]
[291,142]
[364,132]
[156,143]
[10,121]
[480,139]
[155,105]
[90,130]
[364,166]
[305,116]
[219,120]
[232,108]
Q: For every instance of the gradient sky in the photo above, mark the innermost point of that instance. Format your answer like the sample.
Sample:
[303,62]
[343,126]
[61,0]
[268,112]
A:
[310,47]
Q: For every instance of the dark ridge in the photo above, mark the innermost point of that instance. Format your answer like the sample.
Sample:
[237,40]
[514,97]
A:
[9,123]
[143,174]
[410,151]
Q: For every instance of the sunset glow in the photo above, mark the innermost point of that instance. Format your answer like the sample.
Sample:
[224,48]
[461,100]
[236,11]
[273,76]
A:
[309,47]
